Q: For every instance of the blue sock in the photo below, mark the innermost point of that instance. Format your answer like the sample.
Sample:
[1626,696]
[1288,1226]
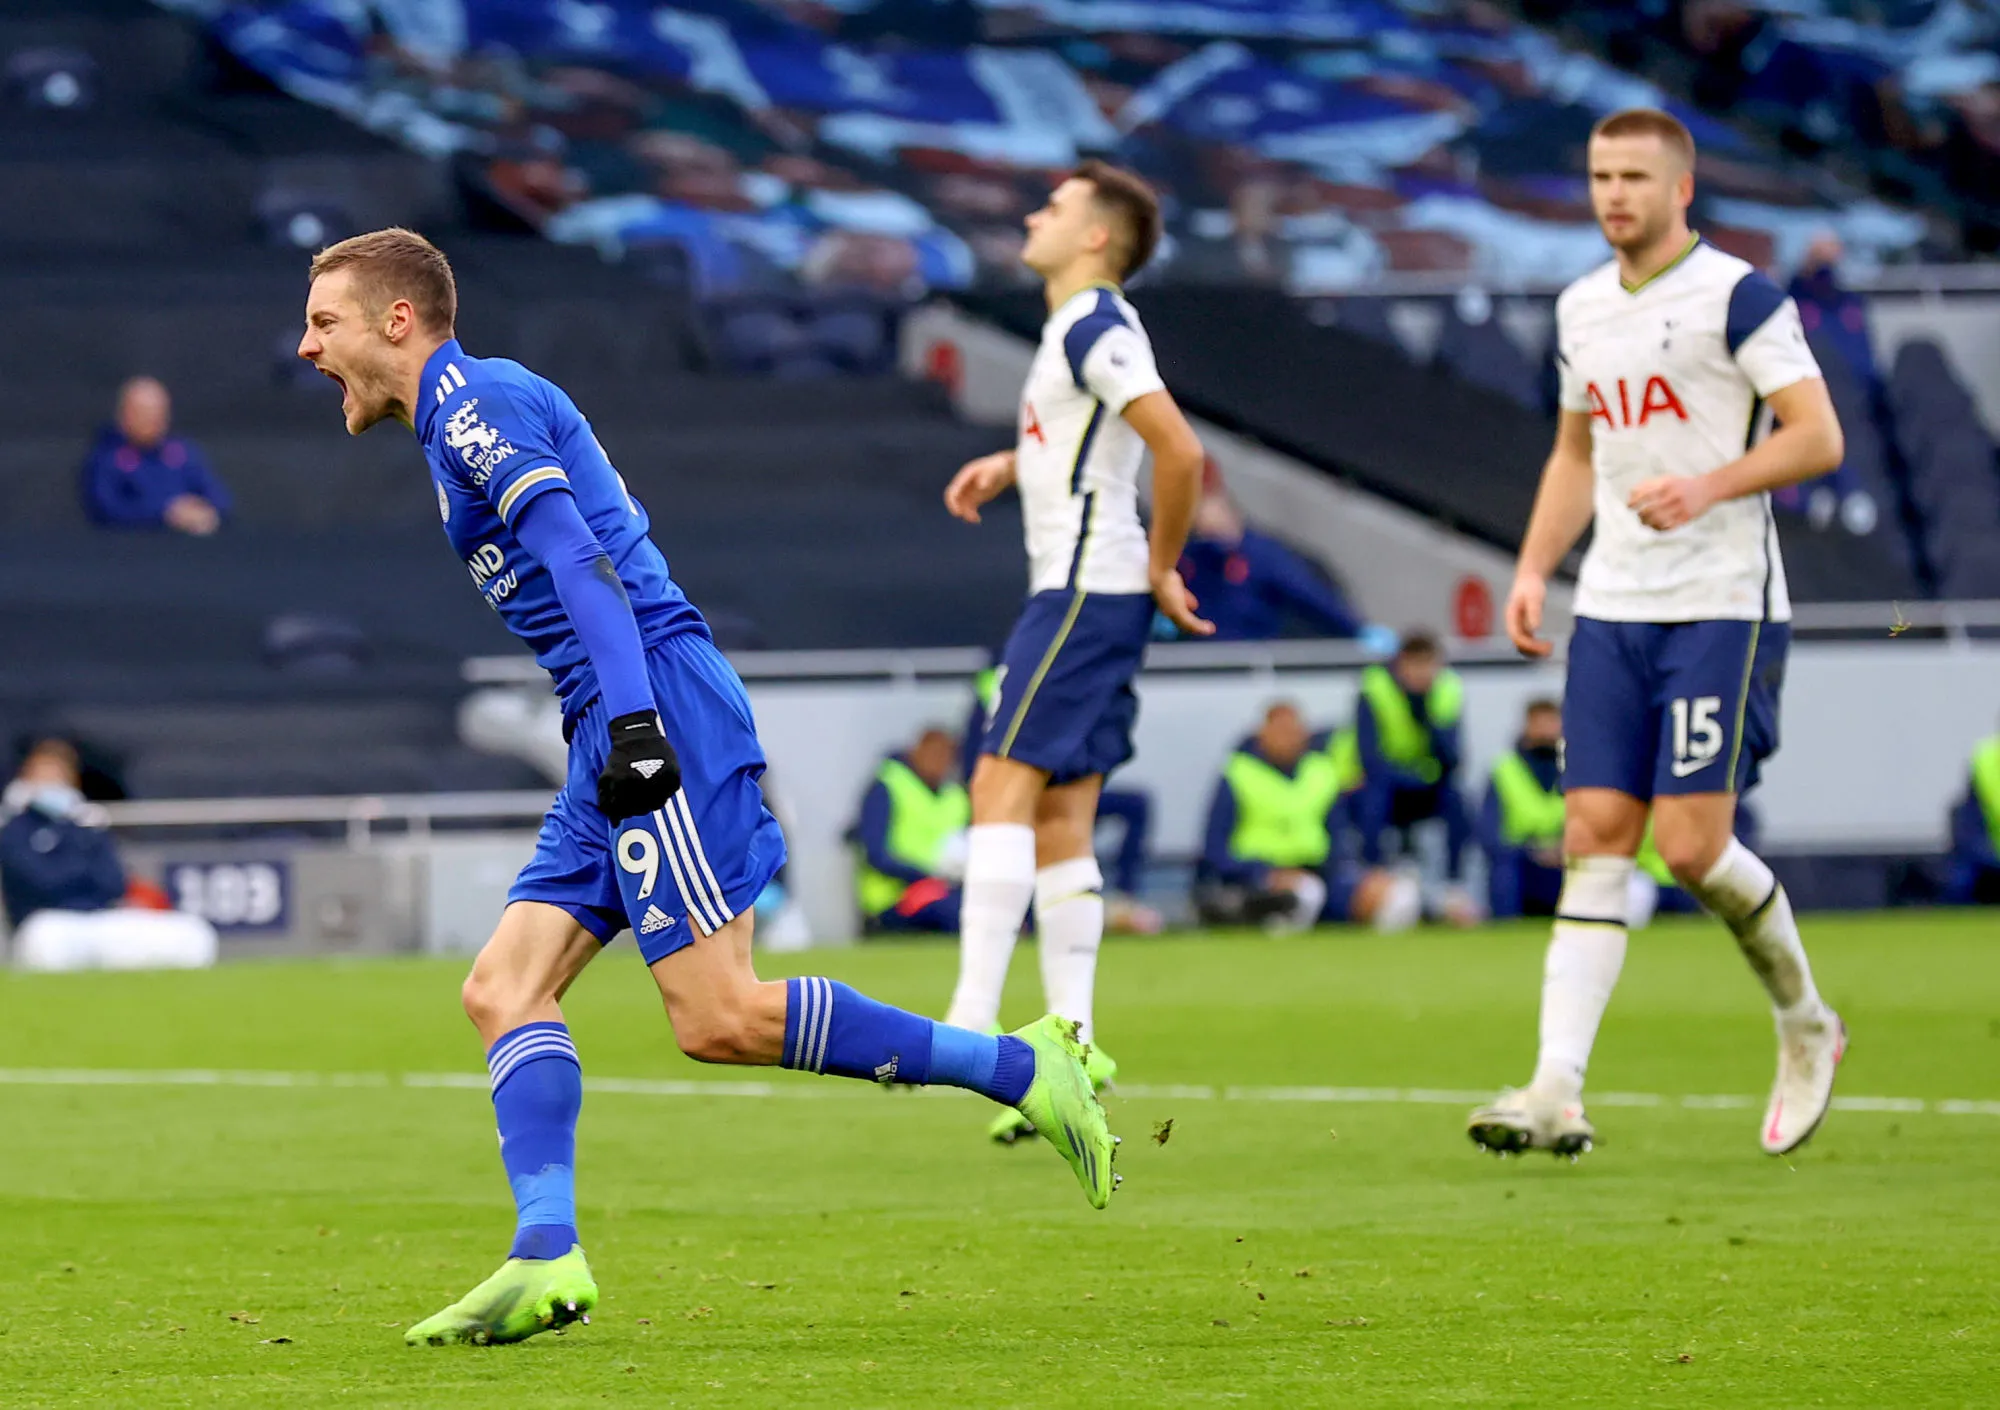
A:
[537,1093]
[834,1029]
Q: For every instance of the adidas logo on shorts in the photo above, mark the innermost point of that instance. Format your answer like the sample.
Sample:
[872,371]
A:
[654,921]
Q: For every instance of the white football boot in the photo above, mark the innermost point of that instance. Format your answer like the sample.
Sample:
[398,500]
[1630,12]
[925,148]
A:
[1521,1119]
[1809,1055]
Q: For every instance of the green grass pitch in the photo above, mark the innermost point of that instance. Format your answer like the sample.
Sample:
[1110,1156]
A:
[814,1243]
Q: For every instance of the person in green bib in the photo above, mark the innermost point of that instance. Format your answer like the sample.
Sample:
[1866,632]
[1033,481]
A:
[909,841]
[1521,823]
[1273,853]
[1975,833]
[1406,723]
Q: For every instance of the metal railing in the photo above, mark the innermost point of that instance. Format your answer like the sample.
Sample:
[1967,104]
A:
[359,813]
[1954,620]
[1866,620]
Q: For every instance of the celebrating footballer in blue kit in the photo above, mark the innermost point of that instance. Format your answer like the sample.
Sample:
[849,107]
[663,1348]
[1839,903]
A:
[661,826]
[1674,359]
[1093,405]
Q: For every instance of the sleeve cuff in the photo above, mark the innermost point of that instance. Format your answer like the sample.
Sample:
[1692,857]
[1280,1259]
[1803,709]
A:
[526,486]
[1116,405]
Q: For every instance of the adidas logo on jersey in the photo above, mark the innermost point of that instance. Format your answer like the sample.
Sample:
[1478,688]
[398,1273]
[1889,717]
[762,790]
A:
[654,921]
[646,768]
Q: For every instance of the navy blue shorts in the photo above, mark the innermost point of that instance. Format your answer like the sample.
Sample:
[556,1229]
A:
[1066,703]
[705,857]
[1665,708]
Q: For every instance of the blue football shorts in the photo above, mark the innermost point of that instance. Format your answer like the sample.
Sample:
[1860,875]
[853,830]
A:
[1657,709]
[1066,703]
[701,860]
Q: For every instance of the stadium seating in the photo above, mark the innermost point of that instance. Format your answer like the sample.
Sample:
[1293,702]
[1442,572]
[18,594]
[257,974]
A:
[1954,487]
[782,153]
[773,228]
[150,246]
[1906,91]
[1317,145]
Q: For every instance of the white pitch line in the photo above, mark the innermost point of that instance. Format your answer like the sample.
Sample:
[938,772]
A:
[664,1087]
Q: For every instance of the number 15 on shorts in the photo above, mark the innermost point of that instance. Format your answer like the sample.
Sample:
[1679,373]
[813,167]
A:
[1697,733]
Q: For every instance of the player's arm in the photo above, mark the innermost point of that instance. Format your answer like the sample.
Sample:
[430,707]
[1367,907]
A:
[1806,444]
[641,772]
[978,482]
[529,487]
[1177,462]
[1768,343]
[1562,512]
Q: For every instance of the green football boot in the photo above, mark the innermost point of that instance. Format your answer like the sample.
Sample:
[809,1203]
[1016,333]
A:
[1062,1105]
[1010,1126]
[527,1295]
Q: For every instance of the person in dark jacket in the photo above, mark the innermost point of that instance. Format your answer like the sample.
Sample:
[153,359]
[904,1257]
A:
[65,889]
[1835,315]
[140,476]
[1252,586]
[49,859]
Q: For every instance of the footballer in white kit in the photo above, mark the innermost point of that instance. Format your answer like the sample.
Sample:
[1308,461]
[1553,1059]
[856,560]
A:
[1675,359]
[1092,407]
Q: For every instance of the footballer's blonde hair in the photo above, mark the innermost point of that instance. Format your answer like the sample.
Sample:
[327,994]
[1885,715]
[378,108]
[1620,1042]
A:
[1649,122]
[396,264]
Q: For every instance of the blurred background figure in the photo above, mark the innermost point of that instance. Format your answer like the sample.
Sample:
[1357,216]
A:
[1272,853]
[64,885]
[1406,727]
[50,858]
[140,476]
[1521,822]
[1255,588]
[1836,321]
[1974,877]
[910,841]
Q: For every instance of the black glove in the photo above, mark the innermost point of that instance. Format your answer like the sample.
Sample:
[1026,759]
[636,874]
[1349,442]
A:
[641,773]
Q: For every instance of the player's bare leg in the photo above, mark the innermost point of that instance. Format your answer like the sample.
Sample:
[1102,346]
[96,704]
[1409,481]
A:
[525,968]
[513,997]
[719,1009]
[1601,834]
[721,1012]
[1000,859]
[1069,923]
[1696,837]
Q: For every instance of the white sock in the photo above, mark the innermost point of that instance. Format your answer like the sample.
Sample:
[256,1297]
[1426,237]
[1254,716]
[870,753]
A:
[1742,893]
[999,884]
[1069,928]
[1586,952]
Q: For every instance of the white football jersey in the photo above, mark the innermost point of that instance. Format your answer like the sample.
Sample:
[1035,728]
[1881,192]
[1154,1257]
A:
[1077,459]
[1674,374]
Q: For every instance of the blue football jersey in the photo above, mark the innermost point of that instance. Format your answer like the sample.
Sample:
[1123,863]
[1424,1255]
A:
[496,436]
